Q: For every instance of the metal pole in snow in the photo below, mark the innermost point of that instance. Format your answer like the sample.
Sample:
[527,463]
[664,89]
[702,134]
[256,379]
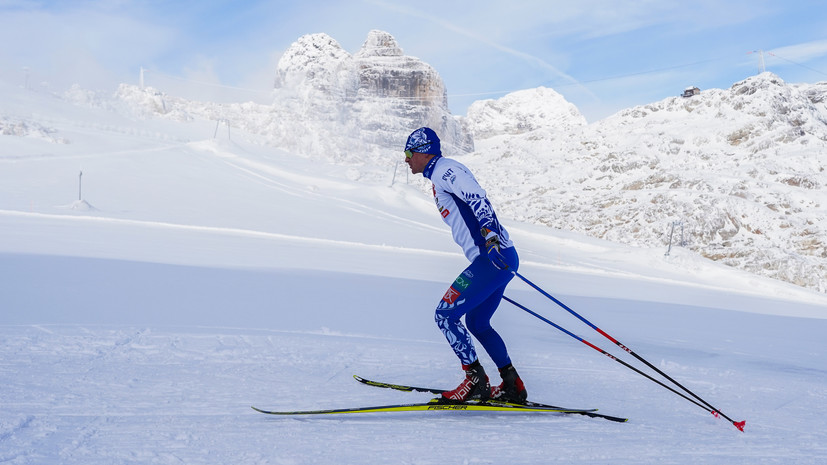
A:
[672,231]
[80,179]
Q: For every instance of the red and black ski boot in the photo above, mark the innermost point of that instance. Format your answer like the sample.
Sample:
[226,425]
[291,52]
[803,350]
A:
[474,386]
[512,388]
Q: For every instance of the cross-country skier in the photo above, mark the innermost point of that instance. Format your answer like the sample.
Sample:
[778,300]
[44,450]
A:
[477,291]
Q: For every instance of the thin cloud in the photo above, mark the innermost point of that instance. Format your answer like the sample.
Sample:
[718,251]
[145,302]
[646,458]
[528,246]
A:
[532,59]
[803,52]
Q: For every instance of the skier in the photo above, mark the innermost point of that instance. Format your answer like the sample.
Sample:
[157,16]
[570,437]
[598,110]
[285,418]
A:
[477,291]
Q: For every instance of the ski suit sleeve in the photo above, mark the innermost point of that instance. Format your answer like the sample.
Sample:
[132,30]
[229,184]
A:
[466,187]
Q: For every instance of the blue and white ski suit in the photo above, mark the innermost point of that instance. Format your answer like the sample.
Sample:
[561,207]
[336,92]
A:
[477,291]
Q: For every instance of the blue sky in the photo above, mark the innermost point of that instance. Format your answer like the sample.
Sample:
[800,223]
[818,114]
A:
[602,55]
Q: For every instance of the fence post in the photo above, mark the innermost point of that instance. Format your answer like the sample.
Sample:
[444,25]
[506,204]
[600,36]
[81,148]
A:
[682,243]
[669,248]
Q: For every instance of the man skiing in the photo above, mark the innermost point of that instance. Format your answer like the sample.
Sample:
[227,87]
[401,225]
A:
[477,291]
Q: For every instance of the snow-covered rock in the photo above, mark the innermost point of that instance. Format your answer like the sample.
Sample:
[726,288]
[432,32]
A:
[743,169]
[314,61]
[384,71]
[376,96]
[523,111]
[21,127]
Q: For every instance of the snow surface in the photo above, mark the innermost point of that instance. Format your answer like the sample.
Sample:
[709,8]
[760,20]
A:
[198,276]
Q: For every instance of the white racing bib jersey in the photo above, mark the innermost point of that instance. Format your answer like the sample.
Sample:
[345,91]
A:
[463,204]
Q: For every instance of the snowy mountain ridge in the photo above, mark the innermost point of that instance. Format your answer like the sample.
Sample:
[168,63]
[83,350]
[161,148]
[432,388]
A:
[742,169]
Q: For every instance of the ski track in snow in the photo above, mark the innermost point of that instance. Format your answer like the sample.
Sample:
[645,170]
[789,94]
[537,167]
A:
[104,394]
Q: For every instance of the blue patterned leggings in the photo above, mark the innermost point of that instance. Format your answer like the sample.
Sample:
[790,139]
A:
[476,293]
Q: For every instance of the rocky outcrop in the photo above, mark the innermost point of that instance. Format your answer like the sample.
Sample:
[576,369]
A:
[385,72]
[376,96]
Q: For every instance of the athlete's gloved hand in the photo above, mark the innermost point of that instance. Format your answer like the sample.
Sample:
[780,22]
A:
[492,246]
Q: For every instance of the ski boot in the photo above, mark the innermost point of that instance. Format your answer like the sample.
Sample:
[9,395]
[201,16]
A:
[512,388]
[474,386]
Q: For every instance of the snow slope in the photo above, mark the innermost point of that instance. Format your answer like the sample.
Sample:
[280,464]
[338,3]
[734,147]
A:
[198,276]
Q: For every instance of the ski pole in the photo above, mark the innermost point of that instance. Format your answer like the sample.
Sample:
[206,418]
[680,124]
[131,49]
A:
[712,409]
[636,370]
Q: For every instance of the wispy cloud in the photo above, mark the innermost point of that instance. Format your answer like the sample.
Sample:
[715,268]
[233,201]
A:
[534,60]
[803,52]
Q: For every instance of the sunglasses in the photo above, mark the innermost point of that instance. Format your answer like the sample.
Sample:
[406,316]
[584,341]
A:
[409,152]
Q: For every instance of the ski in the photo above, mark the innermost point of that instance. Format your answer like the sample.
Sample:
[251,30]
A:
[401,387]
[435,405]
